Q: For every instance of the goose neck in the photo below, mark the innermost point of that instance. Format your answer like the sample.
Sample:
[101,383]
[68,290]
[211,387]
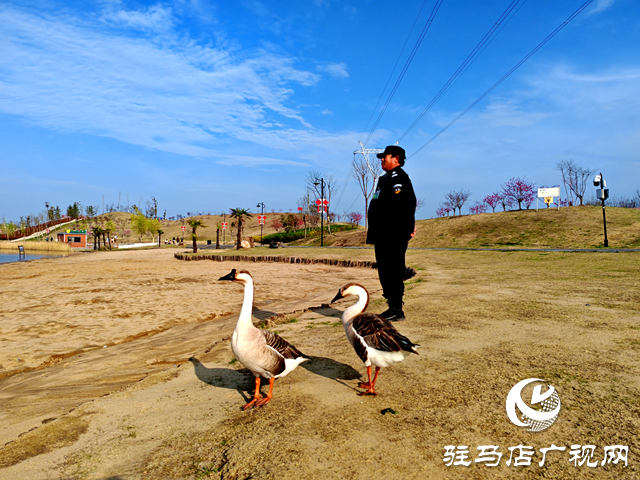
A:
[357,307]
[247,303]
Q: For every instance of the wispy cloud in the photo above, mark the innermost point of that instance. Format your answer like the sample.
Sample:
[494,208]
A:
[337,70]
[153,18]
[167,92]
[251,161]
[600,6]
[564,86]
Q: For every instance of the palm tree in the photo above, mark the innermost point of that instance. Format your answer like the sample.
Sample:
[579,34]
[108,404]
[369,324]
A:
[195,224]
[97,231]
[159,232]
[240,214]
[109,228]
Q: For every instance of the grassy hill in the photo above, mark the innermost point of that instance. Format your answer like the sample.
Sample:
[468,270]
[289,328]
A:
[572,227]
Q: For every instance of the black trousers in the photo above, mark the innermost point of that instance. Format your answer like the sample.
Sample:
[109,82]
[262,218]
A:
[391,270]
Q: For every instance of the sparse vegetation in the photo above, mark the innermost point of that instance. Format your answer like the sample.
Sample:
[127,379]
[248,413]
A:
[36,246]
[299,234]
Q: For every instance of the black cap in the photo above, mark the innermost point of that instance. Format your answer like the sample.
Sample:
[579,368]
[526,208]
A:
[394,151]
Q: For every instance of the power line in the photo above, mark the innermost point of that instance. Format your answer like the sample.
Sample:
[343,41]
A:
[436,7]
[353,203]
[506,75]
[385,88]
[475,53]
[488,43]
[394,68]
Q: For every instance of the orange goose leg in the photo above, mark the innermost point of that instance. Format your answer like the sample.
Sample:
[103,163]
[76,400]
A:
[266,399]
[256,396]
[370,384]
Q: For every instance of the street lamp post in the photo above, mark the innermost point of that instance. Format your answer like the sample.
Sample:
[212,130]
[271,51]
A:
[602,193]
[321,207]
[261,205]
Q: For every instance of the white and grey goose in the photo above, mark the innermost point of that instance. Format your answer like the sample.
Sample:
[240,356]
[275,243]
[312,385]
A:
[374,338]
[264,353]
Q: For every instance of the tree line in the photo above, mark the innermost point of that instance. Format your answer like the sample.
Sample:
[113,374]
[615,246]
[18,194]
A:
[519,192]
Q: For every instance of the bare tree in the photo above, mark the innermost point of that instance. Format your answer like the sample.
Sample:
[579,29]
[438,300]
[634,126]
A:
[575,179]
[456,199]
[306,210]
[366,177]
[314,184]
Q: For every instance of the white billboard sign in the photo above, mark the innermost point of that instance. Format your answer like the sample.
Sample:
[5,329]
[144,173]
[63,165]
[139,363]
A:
[549,192]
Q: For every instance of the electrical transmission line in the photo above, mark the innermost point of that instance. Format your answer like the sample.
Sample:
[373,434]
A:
[475,53]
[506,75]
[406,67]
[425,29]
[384,90]
[394,68]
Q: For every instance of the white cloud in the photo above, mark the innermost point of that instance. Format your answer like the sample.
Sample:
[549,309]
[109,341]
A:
[564,86]
[337,70]
[164,93]
[600,6]
[154,18]
[254,161]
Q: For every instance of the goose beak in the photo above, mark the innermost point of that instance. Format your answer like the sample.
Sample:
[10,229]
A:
[230,276]
[337,297]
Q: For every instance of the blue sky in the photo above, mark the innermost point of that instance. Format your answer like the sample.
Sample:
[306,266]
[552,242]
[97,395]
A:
[208,105]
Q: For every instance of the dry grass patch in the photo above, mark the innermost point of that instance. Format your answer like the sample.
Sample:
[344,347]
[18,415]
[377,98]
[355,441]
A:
[36,247]
[52,435]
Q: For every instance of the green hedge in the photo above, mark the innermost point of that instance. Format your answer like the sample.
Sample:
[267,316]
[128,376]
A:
[285,237]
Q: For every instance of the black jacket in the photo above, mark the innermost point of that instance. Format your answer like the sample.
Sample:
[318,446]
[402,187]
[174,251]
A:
[392,212]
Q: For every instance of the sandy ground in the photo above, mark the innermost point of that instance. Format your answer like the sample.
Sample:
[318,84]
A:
[73,408]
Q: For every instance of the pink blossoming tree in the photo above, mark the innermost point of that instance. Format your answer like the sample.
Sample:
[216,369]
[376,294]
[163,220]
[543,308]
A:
[519,190]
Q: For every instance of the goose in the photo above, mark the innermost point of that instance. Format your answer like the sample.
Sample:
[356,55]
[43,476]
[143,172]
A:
[374,338]
[264,353]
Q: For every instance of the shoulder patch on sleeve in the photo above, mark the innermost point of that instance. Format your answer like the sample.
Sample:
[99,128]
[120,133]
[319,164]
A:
[397,187]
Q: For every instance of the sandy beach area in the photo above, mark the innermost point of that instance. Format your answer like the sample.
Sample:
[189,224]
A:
[95,381]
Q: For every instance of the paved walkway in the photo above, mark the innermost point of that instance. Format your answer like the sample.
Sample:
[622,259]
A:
[519,249]
[136,245]
[503,249]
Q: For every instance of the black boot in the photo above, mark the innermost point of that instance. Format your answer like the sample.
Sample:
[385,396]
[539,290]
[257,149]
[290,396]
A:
[394,313]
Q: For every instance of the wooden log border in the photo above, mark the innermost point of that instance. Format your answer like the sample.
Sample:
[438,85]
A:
[274,258]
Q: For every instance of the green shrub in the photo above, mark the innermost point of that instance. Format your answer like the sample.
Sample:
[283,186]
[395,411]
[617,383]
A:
[286,237]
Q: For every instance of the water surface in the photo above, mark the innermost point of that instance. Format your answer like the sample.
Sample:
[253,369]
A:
[16,257]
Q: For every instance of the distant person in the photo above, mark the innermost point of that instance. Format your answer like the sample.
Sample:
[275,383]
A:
[391,225]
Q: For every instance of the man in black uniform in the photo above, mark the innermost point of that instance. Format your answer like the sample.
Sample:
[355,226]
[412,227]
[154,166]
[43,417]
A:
[391,226]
